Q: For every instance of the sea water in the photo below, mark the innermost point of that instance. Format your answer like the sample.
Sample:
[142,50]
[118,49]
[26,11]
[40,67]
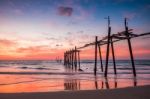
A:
[46,75]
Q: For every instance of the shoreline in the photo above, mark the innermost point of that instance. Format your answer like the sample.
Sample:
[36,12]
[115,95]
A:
[59,73]
[139,92]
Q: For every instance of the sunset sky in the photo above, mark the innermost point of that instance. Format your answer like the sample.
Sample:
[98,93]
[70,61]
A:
[44,29]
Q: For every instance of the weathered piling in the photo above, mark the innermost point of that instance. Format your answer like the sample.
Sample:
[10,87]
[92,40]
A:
[67,59]
[79,59]
[95,65]
[96,83]
[75,61]
[113,56]
[100,56]
[108,42]
[130,48]
[64,58]
[72,54]
[116,85]
[70,58]
[106,83]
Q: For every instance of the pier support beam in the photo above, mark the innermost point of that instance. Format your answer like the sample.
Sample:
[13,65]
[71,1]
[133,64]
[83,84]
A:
[113,56]
[75,61]
[100,56]
[130,48]
[95,65]
[108,42]
[67,59]
[64,58]
[72,58]
[107,53]
[79,59]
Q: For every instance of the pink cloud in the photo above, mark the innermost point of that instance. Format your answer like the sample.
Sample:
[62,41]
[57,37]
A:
[5,42]
[40,52]
[32,49]
[50,24]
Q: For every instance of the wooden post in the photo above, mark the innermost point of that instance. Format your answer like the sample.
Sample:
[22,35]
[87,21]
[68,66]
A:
[108,41]
[69,59]
[79,59]
[113,56]
[135,82]
[72,58]
[107,53]
[100,56]
[106,83]
[116,82]
[95,66]
[64,58]
[102,84]
[75,58]
[96,83]
[130,48]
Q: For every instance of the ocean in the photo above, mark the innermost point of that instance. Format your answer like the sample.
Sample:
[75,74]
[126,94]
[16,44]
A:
[48,76]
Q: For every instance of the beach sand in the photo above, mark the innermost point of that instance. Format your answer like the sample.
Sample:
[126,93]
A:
[140,92]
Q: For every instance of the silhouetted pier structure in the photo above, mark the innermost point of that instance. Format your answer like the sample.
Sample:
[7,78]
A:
[72,58]
[109,40]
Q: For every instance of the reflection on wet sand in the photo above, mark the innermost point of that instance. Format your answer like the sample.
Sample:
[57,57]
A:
[71,84]
[105,83]
[135,81]
[96,83]
[114,84]
[35,84]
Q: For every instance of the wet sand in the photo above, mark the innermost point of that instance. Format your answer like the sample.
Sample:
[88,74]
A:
[140,92]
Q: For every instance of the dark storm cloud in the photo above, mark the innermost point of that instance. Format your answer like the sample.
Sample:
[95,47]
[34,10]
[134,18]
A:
[65,11]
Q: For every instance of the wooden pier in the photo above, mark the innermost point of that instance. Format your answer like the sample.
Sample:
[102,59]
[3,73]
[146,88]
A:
[71,56]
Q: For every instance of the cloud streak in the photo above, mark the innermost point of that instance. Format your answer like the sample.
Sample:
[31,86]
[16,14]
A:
[33,49]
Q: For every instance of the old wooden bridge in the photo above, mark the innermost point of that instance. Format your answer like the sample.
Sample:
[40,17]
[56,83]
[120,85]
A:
[72,57]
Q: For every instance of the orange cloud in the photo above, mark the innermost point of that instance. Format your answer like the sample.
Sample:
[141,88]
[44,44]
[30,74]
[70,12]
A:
[37,49]
[9,51]
[5,42]
[6,57]
[40,52]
